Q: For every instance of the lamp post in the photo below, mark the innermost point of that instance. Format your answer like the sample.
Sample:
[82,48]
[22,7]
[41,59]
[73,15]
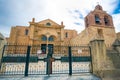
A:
[47,34]
[48,68]
[49,56]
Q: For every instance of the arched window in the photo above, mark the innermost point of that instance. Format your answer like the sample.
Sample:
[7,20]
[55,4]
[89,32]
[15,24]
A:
[44,38]
[51,38]
[106,20]
[97,19]
[26,32]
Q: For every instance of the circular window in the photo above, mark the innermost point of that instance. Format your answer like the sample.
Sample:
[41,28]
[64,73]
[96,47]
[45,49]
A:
[48,24]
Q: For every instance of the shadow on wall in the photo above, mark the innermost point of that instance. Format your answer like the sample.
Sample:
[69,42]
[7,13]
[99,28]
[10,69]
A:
[114,56]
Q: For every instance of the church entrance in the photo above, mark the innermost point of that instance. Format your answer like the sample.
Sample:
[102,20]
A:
[45,47]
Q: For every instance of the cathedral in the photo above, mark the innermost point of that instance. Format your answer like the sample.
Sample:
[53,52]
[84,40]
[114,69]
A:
[98,24]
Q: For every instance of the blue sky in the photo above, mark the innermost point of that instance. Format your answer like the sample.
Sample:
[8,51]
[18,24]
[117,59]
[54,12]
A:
[71,12]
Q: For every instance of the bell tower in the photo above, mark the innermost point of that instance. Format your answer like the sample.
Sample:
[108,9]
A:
[99,24]
[99,18]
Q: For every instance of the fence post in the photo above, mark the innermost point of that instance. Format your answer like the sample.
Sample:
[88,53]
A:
[91,62]
[48,65]
[1,56]
[70,60]
[27,61]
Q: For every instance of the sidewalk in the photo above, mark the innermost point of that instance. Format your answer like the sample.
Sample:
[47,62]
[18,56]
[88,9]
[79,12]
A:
[52,77]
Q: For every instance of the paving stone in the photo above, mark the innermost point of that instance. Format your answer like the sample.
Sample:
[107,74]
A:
[52,77]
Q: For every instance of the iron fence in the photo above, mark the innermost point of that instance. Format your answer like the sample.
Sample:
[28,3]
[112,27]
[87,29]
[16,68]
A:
[46,59]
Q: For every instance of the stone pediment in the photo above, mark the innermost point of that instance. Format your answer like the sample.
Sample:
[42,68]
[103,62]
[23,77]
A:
[48,22]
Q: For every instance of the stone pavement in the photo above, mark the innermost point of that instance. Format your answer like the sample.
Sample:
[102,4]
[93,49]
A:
[52,77]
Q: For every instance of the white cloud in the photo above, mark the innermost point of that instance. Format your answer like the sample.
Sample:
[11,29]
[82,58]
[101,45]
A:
[5,30]
[58,10]
[116,19]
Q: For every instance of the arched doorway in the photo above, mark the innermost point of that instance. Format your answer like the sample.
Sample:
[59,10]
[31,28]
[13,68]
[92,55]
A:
[47,47]
[44,48]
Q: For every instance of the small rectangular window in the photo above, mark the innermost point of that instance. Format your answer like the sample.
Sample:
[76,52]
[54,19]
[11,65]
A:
[100,32]
[26,32]
[66,34]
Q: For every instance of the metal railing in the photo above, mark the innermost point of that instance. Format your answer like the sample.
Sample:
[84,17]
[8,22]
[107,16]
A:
[60,60]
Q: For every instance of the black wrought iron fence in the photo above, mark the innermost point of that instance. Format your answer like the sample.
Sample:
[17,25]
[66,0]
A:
[13,60]
[45,59]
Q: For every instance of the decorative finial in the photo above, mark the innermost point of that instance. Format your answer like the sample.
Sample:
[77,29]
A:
[33,19]
[62,23]
[98,7]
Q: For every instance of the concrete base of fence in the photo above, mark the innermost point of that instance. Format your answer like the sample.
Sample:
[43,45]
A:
[109,74]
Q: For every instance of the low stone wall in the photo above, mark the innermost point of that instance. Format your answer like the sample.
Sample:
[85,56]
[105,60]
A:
[106,63]
[114,57]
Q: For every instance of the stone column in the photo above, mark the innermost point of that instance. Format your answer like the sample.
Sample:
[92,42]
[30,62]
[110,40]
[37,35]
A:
[98,52]
[105,64]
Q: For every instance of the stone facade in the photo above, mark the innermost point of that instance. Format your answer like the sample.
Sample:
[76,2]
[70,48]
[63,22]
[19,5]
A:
[98,24]
[99,33]
[38,33]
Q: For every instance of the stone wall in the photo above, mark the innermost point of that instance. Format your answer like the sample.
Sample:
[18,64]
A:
[94,32]
[118,35]
[105,62]
[114,56]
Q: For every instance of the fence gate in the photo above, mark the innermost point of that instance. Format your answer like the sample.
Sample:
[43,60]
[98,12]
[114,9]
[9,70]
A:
[45,59]
[81,59]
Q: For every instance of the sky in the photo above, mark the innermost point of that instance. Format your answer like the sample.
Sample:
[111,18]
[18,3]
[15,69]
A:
[71,12]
